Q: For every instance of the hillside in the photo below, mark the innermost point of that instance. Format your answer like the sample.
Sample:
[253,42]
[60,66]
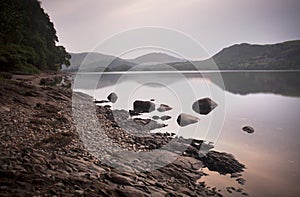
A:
[155,58]
[282,56]
[245,56]
[251,57]
[96,62]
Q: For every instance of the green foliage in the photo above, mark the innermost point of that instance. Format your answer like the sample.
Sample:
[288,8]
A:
[28,38]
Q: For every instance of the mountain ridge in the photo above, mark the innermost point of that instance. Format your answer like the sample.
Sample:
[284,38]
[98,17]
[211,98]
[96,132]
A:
[244,56]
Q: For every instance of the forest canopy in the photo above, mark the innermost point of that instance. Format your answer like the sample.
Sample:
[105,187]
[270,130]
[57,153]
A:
[28,38]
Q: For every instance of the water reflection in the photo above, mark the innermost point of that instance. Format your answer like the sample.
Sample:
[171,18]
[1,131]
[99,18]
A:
[276,82]
[268,101]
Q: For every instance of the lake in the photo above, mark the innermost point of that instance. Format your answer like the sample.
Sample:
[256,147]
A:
[266,100]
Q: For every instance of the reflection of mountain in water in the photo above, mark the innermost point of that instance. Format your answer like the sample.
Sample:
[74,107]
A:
[283,83]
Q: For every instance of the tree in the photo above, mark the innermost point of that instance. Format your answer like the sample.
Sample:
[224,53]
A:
[28,38]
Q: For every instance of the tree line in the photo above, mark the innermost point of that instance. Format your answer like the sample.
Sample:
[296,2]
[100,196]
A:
[28,38]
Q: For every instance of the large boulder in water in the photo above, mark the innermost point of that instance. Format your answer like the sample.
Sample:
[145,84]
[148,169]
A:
[143,106]
[204,106]
[112,97]
[185,119]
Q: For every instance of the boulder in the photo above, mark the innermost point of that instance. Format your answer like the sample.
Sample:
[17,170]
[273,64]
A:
[248,129]
[204,106]
[112,97]
[143,106]
[186,119]
[164,107]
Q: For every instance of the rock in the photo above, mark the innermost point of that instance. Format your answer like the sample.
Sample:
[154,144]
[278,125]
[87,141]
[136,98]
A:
[112,97]
[143,106]
[155,117]
[133,113]
[223,163]
[6,75]
[152,99]
[248,129]
[185,119]
[235,175]
[99,102]
[163,118]
[141,121]
[164,107]
[204,106]
[130,191]
[4,109]
[119,179]
[79,192]
[51,81]
[241,181]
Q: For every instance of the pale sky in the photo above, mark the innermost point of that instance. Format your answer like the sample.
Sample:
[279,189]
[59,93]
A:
[215,24]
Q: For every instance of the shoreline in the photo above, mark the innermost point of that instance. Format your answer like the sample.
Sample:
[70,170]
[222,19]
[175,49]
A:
[42,153]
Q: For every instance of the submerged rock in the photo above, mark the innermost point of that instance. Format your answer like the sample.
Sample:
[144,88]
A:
[155,117]
[143,106]
[163,118]
[248,129]
[204,106]
[164,107]
[185,119]
[112,97]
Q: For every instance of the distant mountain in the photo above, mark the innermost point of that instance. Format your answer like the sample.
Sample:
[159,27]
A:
[97,62]
[251,57]
[160,58]
[237,57]
[91,62]
[277,56]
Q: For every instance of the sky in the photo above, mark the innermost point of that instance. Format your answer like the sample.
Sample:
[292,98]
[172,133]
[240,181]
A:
[82,24]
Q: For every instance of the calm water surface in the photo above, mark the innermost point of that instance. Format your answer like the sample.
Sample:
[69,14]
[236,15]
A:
[267,101]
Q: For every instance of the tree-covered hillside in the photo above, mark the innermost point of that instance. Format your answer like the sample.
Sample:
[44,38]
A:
[28,38]
[262,57]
